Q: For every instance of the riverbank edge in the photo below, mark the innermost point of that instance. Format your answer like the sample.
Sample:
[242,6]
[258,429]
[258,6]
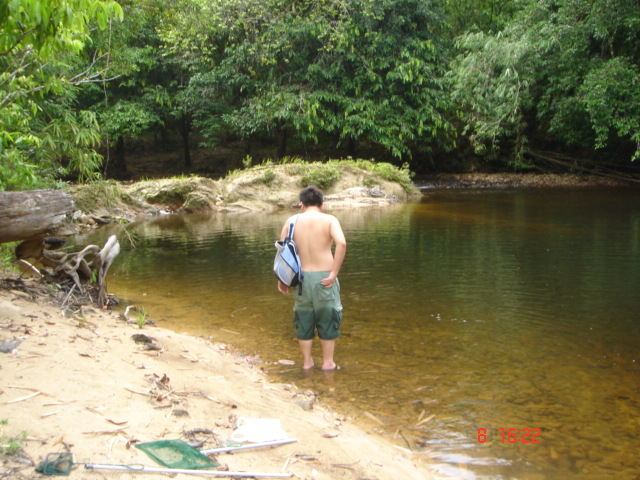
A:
[509,180]
[82,383]
[275,187]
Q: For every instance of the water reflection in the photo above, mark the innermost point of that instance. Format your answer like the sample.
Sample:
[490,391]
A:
[469,310]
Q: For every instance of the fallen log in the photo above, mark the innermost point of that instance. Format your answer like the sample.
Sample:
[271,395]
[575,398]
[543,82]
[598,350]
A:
[35,214]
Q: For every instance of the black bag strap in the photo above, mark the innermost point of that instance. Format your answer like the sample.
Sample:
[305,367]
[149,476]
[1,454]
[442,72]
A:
[292,227]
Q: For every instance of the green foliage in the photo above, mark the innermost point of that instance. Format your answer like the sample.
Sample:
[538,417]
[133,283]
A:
[93,195]
[268,177]
[263,176]
[143,96]
[42,133]
[552,67]
[357,71]
[325,175]
[384,170]
[484,15]
[131,118]
[521,73]
[7,255]
[491,88]
[141,316]
[380,79]
[321,175]
[611,95]
[10,445]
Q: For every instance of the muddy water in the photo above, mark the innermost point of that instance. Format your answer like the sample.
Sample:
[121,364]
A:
[465,314]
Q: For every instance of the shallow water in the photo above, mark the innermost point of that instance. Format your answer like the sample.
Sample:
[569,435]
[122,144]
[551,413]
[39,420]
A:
[467,311]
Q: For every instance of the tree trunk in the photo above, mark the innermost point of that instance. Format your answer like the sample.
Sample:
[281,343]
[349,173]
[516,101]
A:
[282,144]
[34,214]
[186,130]
[351,147]
[120,161]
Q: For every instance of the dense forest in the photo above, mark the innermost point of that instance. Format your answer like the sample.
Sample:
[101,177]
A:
[449,85]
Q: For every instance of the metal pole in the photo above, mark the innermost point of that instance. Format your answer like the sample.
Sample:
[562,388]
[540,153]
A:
[210,451]
[142,468]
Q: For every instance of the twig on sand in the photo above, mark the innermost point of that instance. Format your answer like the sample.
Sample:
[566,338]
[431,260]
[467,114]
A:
[347,466]
[22,399]
[106,432]
[373,417]
[430,417]
[139,393]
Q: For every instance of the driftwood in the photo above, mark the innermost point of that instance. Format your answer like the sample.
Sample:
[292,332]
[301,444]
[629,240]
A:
[35,214]
[91,263]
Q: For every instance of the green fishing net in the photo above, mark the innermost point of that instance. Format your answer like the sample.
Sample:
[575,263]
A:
[56,464]
[176,454]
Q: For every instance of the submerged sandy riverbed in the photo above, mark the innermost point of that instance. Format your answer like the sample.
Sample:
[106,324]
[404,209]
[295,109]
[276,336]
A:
[84,385]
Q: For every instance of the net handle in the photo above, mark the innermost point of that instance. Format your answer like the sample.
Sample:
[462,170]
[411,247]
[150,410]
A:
[247,446]
[142,468]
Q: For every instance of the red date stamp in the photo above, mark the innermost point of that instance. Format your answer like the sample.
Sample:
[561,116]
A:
[513,435]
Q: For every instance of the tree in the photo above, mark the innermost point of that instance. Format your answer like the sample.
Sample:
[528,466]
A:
[562,73]
[379,74]
[481,15]
[42,134]
[354,71]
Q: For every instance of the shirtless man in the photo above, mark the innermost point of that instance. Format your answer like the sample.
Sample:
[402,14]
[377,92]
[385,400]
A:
[318,307]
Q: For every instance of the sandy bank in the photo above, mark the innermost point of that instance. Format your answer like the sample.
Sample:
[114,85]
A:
[85,386]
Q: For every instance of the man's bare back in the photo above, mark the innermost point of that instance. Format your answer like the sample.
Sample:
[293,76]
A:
[314,235]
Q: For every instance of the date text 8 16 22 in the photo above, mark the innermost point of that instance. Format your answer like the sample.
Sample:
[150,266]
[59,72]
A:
[513,435]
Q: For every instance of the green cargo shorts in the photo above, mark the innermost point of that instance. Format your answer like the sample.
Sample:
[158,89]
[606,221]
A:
[317,307]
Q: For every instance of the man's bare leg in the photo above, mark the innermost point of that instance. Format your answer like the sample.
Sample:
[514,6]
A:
[328,347]
[305,348]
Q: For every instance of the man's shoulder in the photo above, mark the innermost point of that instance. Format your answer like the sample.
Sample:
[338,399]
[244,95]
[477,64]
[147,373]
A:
[326,217]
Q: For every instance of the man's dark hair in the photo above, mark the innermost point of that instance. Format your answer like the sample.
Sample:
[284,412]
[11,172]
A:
[311,197]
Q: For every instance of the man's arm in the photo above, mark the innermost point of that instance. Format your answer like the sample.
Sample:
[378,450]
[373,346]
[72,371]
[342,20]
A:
[337,235]
[285,230]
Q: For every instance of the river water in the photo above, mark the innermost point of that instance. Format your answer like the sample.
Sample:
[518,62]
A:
[464,314]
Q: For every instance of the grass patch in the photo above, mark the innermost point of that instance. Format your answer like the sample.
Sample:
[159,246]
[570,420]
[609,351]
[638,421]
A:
[103,193]
[391,173]
[7,256]
[265,177]
[141,317]
[325,175]
[10,445]
[321,175]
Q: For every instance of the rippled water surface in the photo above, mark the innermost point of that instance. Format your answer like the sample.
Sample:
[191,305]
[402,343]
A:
[466,311]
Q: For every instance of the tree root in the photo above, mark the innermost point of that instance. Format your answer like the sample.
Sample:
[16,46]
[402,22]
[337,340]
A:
[85,269]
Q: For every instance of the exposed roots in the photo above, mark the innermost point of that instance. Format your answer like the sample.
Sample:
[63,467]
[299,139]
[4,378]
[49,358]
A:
[76,279]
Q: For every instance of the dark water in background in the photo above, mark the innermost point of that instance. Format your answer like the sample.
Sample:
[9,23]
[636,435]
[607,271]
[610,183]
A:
[490,309]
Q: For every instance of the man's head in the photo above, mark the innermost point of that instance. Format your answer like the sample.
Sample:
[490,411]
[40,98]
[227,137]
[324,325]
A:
[311,197]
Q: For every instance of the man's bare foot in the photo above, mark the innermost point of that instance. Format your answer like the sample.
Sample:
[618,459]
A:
[330,368]
[304,367]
